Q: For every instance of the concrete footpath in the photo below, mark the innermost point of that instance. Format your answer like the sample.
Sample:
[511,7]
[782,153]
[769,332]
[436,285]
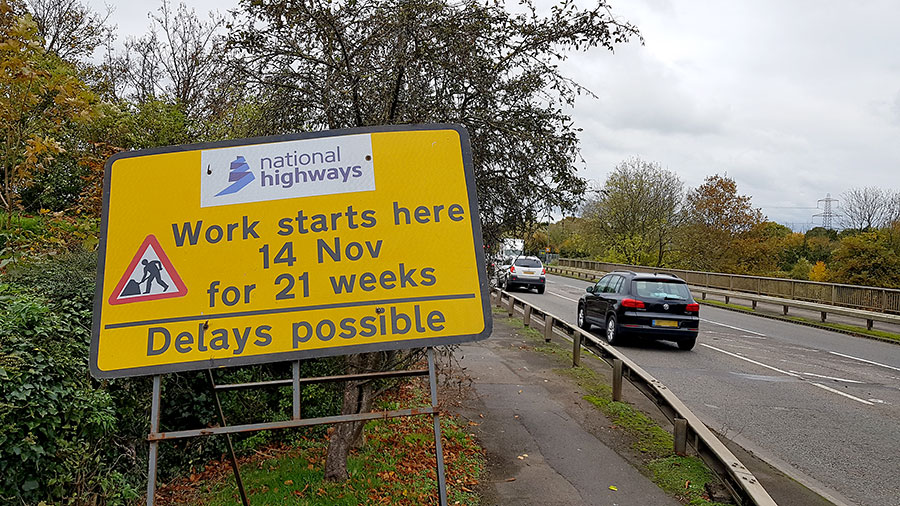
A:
[539,433]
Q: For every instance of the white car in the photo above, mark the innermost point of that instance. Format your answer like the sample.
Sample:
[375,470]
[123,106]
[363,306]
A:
[527,272]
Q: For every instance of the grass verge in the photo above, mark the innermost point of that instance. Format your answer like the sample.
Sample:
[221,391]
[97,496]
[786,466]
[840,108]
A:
[685,478]
[395,466]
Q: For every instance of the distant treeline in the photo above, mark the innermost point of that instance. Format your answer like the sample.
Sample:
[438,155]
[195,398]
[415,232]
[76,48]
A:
[642,215]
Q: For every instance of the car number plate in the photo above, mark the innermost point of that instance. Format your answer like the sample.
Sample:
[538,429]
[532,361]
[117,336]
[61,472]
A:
[665,323]
[529,272]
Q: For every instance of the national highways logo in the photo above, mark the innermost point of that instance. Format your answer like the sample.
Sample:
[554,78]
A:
[286,169]
[239,176]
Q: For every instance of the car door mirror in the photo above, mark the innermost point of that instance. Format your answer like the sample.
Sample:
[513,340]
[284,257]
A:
[589,289]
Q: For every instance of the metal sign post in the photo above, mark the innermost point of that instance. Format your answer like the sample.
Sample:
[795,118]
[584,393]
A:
[296,381]
[438,450]
[154,445]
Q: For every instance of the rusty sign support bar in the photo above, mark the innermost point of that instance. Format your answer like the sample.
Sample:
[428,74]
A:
[295,376]
[234,464]
[295,382]
[154,427]
[438,449]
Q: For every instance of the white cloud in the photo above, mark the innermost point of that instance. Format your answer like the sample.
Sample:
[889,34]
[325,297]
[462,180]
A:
[793,99]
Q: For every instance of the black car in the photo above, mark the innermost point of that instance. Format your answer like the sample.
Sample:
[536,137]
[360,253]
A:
[656,306]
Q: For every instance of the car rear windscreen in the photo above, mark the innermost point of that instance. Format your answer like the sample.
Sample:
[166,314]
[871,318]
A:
[527,262]
[661,289]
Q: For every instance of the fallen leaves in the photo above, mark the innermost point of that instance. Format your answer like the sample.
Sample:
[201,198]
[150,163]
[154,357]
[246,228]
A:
[406,443]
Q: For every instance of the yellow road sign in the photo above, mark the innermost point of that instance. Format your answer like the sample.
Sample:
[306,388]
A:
[271,249]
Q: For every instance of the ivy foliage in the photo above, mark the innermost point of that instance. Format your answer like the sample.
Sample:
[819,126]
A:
[66,438]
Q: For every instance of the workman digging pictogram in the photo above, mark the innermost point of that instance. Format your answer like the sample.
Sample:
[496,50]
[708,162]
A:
[152,273]
[150,276]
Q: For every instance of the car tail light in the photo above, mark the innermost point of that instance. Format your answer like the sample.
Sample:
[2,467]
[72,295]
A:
[632,303]
[543,271]
[512,268]
[692,308]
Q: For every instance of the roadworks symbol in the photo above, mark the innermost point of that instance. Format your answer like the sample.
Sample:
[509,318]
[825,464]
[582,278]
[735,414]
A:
[149,276]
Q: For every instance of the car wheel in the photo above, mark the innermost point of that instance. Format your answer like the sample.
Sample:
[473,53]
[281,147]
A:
[540,290]
[612,331]
[687,344]
[582,322]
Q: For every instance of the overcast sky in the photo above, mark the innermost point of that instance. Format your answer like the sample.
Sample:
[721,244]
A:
[793,99]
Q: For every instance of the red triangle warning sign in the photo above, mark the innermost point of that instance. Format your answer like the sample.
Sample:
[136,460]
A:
[150,276]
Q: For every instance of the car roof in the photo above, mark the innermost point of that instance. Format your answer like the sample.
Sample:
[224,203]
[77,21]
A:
[650,276]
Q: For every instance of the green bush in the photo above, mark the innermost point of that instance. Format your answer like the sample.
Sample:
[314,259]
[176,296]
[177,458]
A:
[53,422]
[66,438]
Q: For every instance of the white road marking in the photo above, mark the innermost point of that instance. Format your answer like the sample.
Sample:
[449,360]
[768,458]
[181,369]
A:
[832,390]
[864,360]
[562,296]
[735,355]
[788,373]
[845,380]
[575,287]
[735,328]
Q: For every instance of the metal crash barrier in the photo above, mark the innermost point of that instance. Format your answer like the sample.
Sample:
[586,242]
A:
[870,317]
[745,489]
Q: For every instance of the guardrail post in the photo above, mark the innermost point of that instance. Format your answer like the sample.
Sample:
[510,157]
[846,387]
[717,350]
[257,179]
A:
[617,380]
[702,295]
[753,303]
[869,324]
[499,298]
[680,436]
[727,299]
[785,309]
[527,319]
[548,327]
[576,349]
[823,316]
[512,306]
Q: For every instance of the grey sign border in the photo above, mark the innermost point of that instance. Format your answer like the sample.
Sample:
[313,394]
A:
[285,356]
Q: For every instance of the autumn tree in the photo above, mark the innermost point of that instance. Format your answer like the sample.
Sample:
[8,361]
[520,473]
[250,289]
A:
[758,250]
[636,212]
[716,217]
[327,65]
[567,237]
[868,258]
[819,272]
[70,29]
[336,64]
[41,99]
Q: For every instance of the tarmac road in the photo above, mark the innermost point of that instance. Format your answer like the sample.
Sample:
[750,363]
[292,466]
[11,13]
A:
[821,406]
